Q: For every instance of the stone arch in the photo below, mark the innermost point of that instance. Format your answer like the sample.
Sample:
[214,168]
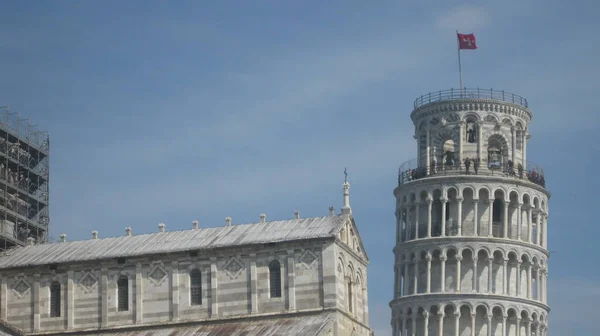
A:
[500,192]
[536,202]
[526,198]
[467,187]
[519,125]
[490,118]
[507,122]
[471,116]
[453,117]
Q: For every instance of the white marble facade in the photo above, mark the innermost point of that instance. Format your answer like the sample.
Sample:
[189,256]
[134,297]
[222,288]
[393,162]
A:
[327,273]
[471,255]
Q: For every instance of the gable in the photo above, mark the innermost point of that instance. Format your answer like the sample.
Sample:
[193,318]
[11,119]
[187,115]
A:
[349,237]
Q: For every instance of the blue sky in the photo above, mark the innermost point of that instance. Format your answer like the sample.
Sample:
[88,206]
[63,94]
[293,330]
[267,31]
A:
[174,111]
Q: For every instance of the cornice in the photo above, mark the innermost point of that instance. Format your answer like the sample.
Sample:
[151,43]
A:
[438,242]
[455,179]
[471,104]
[446,298]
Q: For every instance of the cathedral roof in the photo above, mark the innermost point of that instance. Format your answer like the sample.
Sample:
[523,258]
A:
[297,324]
[174,241]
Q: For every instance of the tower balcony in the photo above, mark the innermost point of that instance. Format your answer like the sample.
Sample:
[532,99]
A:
[457,94]
[411,170]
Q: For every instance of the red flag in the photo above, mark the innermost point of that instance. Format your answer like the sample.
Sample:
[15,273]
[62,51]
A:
[466,41]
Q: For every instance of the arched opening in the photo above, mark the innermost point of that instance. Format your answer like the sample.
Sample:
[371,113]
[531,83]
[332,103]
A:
[275,279]
[451,271]
[436,213]
[448,154]
[497,152]
[471,130]
[452,213]
[468,213]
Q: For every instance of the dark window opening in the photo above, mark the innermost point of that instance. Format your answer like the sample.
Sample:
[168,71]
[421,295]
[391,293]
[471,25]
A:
[55,300]
[275,278]
[123,294]
[196,287]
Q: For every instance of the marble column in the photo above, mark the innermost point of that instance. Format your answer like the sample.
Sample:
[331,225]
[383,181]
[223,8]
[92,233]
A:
[426,324]
[518,278]
[457,324]
[514,144]
[458,271]
[429,206]
[491,218]
[417,208]
[504,276]
[406,282]
[443,200]
[530,224]
[441,324]
[476,218]
[443,271]
[538,228]
[475,278]
[519,220]
[529,285]
[459,216]
[505,220]
[490,274]
[428,258]
[416,276]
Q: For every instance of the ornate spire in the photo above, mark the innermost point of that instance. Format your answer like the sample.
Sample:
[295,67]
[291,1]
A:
[346,210]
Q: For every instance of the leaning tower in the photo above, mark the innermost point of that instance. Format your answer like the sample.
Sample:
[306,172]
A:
[471,254]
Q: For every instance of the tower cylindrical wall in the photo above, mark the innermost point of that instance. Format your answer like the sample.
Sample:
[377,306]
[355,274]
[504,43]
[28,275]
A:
[471,223]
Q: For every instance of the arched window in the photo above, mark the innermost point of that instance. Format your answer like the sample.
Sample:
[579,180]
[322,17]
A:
[350,296]
[275,278]
[55,300]
[195,287]
[496,152]
[123,294]
[448,153]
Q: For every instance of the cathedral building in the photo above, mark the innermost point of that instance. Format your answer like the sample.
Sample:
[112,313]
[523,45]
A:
[303,276]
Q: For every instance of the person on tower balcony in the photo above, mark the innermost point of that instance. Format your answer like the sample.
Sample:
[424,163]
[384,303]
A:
[476,165]
[467,165]
[520,168]
[510,170]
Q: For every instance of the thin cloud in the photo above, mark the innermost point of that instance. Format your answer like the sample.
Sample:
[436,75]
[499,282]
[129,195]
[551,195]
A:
[466,18]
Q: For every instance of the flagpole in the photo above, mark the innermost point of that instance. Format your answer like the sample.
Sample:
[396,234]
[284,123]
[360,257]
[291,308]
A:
[459,65]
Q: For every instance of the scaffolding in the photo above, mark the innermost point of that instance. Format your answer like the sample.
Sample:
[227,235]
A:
[24,181]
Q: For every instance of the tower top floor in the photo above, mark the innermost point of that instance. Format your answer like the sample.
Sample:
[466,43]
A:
[471,131]
[446,102]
